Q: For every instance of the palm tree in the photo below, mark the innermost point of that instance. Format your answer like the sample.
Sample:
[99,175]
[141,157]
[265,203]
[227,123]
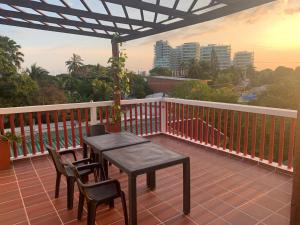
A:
[36,72]
[10,50]
[74,63]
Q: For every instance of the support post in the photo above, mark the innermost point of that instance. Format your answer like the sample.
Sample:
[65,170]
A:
[163,116]
[295,203]
[93,115]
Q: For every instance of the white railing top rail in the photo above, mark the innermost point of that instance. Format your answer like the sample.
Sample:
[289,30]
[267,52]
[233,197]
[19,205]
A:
[46,108]
[217,105]
[237,107]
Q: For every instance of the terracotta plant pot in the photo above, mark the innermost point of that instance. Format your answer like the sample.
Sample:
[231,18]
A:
[114,128]
[4,155]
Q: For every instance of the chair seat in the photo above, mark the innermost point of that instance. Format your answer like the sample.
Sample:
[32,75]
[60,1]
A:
[101,193]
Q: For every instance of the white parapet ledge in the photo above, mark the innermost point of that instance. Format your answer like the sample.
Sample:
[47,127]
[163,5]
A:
[47,108]
[237,107]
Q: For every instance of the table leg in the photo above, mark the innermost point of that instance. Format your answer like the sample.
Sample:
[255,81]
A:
[105,168]
[151,180]
[85,151]
[186,187]
[132,197]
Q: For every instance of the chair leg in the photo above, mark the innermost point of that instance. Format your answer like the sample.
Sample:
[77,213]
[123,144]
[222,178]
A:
[80,206]
[91,213]
[123,200]
[57,184]
[70,194]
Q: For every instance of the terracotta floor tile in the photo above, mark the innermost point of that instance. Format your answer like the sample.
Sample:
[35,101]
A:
[149,200]
[146,218]
[256,211]
[219,222]
[276,219]
[269,203]
[49,219]
[280,196]
[164,212]
[28,191]
[8,187]
[180,220]
[177,203]
[285,211]
[233,199]
[7,179]
[218,207]
[35,199]
[13,217]
[201,215]
[237,217]
[39,210]
[8,196]
[108,216]
[6,207]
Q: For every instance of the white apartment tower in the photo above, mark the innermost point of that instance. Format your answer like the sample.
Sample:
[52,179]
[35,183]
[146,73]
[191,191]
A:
[222,53]
[243,60]
[162,54]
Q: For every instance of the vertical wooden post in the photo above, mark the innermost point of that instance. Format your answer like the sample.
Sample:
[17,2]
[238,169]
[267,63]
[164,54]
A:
[295,204]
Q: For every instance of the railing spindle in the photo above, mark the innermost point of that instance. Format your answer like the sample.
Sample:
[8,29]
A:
[212,142]
[86,115]
[12,129]
[272,139]
[246,130]
[262,137]
[182,121]
[239,124]
[253,136]
[207,126]
[66,141]
[23,136]
[155,113]
[125,119]
[231,138]
[79,126]
[160,119]
[48,129]
[72,128]
[291,142]
[141,119]
[219,128]
[201,125]
[130,114]
[151,132]
[187,120]
[39,119]
[225,129]
[101,115]
[146,118]
[33,149]
[136,119]
[192,123]
[281,141]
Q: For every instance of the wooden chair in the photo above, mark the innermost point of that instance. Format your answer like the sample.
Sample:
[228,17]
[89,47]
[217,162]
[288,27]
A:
[96,194]
[65,170]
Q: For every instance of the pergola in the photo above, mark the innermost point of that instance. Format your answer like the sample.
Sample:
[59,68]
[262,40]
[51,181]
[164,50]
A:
[130,20]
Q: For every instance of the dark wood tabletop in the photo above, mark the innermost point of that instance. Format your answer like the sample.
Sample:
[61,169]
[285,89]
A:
[147,158]
[113,141]
[139,159]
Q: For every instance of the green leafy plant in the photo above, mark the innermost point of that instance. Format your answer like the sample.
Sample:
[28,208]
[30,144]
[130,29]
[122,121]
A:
[10,137]
[121,81]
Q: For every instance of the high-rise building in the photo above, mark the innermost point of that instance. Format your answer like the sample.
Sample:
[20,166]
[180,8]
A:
[222,53]
[162,54]
[243,60]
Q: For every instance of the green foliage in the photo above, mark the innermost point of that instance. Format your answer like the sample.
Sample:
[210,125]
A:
[138,86]
[196,90]
[101,89]
[199,70]
[8,136]
[74,64]
[18,90]
[160,71]
[230,76]
[10,56]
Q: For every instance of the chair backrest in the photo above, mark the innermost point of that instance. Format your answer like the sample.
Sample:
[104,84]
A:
[55,156]
[97,129]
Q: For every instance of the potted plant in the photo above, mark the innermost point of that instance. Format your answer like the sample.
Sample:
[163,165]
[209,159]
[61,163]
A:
[120,84]
[5,141]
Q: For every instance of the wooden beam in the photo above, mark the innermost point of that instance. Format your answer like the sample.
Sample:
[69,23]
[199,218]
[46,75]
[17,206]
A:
[76,12]
[204,17]
[51,28]
[60,21]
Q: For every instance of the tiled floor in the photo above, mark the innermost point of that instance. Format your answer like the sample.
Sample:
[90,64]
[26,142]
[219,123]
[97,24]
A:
[224,191]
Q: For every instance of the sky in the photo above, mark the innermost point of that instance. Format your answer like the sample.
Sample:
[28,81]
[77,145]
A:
[270,31]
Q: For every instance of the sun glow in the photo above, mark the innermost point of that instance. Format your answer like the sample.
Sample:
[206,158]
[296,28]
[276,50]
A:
[284,34]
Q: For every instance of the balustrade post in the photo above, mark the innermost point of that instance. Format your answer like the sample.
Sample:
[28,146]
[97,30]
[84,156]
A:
[163,115]
[93,115]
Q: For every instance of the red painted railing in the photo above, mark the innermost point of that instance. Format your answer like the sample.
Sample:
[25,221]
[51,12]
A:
[266,135]
[229,127]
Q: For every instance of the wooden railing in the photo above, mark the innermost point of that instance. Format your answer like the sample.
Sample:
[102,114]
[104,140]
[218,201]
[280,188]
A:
[64,125]
[263,134]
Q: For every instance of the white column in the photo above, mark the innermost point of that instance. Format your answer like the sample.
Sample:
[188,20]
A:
[93,115]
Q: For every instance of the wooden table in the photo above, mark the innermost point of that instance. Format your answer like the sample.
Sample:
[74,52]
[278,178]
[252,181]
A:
[147,158]
[112,141]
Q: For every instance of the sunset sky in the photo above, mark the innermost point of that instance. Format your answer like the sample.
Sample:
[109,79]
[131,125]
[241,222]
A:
[272,31]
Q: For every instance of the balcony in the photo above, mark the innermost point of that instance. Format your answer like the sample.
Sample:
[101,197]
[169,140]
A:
[241,161]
